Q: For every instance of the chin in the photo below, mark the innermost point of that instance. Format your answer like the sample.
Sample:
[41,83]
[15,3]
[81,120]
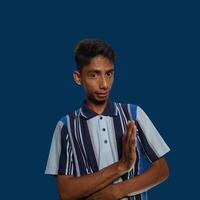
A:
[99,101]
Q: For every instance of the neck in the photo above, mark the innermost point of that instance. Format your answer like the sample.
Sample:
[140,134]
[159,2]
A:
[97,107]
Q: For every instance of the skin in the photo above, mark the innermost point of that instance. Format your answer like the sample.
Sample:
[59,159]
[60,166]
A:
[97,79]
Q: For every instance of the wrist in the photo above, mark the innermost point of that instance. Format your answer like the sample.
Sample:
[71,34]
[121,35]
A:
[122,167]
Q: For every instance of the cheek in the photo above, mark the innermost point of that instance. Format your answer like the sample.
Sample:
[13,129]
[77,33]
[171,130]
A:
[90,86]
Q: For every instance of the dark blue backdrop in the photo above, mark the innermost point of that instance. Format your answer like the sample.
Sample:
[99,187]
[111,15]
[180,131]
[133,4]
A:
[157,45]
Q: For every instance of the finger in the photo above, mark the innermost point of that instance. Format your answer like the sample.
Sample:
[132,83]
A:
[132,141]
[129,130]
[125,135]
[134,135]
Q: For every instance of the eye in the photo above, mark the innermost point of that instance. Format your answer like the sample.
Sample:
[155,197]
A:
[93,75]
[109,74]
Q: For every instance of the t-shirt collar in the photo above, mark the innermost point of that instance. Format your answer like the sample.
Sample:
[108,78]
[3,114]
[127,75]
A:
[110,110]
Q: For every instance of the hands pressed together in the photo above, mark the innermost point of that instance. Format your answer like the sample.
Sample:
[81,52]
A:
[128,158]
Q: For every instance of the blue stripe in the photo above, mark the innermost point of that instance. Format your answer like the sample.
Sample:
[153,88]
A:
[118,134]
[141,156]
[77,149]
[78,133]
[63,159]
[64,120]
[145,145]
[133,109]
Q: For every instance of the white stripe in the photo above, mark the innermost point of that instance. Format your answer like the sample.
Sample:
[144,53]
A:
[71,161]
[55,150]
[153,137]
[84,155]
[123,114]
[67,155]
[73,147]
[144,151]
[120,117]
[95,140]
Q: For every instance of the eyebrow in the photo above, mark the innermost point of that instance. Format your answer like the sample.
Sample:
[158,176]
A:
[99,71]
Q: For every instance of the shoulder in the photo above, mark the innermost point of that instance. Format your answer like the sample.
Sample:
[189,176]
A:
[124,104]
[133,109]
[65,119]
[129,109]
[129,106]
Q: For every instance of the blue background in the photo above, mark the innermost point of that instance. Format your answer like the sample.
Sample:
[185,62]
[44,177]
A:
[157,46]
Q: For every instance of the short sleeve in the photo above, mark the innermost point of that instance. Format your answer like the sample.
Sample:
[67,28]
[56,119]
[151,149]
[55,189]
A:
[60,159]
[151,141]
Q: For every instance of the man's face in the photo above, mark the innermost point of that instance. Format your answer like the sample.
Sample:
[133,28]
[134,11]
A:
[97,79]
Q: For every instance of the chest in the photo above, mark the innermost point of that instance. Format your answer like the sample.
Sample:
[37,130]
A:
[103,138]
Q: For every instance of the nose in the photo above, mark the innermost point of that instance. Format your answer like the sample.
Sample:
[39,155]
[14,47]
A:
[103,83]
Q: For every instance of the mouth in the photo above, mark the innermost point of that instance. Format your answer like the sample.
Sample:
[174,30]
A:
[102,94]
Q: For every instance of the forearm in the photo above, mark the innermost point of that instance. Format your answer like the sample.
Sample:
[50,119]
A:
[157,173]
[83,186]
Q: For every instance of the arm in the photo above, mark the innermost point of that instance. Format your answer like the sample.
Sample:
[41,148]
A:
[157,173]
[71,187]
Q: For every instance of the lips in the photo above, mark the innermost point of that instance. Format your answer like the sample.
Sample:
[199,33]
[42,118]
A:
[102,94]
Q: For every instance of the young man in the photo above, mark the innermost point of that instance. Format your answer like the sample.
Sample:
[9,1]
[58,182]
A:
[97,152]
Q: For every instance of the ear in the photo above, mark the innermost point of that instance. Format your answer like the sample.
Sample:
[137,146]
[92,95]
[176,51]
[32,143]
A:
[77,77]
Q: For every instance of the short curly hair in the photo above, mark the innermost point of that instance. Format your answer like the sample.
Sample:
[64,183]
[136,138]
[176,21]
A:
[90,48]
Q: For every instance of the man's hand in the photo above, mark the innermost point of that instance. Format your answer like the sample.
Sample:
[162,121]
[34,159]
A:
[128,158]
[108,193]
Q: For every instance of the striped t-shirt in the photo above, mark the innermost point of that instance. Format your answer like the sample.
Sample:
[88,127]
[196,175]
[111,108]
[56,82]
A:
[85,142]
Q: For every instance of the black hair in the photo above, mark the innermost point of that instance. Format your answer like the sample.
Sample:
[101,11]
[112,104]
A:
[90,48]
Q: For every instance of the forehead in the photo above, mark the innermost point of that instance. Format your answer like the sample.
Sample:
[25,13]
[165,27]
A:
[99,63]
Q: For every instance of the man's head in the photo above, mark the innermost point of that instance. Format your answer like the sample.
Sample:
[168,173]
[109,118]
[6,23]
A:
[95,69]
[90,48]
